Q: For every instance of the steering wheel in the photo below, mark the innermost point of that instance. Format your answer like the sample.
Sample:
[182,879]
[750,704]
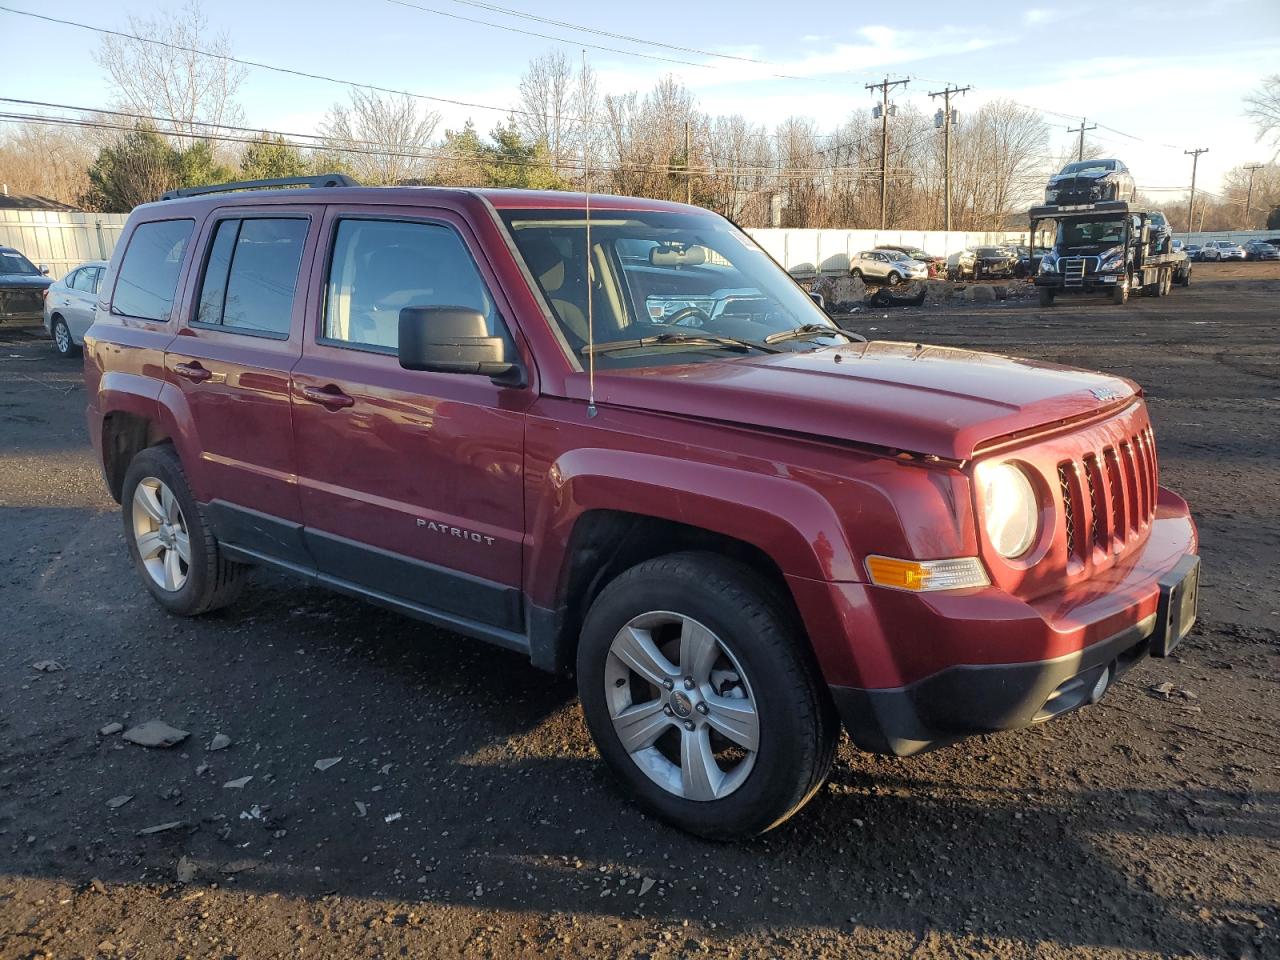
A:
[688,317]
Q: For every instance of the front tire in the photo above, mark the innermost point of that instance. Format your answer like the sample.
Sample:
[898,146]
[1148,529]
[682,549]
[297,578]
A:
[701,695]
[1120,292]
[893,279]
[169,539]
[1046,296]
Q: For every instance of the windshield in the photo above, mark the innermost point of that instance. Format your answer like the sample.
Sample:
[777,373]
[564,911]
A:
[993,252]
[1089,166]
[668,275]
[1091,233]
[12,262]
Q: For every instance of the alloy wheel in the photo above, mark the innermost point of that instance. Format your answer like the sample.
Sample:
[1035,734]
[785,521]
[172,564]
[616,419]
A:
[682,706]
[62,337]
[160,532]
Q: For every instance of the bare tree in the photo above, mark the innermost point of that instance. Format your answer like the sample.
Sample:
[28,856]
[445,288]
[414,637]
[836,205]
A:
[1263,108]
[385,135]
[47,161]
[167,79]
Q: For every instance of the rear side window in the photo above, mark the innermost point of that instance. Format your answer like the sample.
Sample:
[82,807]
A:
[148,278]
[251,274]
[83,279]
[381,266]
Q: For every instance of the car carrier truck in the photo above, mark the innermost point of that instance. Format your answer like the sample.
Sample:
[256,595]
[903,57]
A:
[1106,248]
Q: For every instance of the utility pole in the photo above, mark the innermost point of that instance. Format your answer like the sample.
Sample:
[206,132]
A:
[946,145]
[1248,200]
[1080,130]
[1195,162]
[884,87]
[688,167]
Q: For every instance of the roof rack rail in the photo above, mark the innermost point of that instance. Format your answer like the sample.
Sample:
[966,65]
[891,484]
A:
[324,180]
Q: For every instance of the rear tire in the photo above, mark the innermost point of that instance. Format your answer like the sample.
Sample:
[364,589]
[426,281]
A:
[62,341]
[893,279]
[161,520]
[856,273]
[1120,292]
[1046,296]
[660,613]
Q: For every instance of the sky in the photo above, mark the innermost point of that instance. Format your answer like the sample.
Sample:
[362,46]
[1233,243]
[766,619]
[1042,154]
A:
[1158,77]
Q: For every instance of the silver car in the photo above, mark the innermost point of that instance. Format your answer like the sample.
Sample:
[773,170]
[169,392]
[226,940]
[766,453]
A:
[1226,250]
[68,309]
[887,266]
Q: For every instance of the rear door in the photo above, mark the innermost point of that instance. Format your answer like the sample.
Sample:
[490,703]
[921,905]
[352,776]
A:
[83,294]
[239,340]
[411,481]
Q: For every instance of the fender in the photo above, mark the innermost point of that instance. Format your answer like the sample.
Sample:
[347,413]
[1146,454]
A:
[788,521]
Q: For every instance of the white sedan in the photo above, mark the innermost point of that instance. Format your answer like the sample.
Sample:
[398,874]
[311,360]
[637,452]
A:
[69,306]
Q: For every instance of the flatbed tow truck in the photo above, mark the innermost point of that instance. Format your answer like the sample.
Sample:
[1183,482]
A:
[1106,248]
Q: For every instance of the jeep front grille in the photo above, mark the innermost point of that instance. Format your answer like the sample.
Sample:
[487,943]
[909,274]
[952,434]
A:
[1117,497]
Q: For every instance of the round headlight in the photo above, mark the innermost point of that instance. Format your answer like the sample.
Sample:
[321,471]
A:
[1010,511]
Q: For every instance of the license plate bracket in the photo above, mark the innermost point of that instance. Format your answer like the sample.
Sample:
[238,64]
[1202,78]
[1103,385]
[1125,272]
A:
[1178,607]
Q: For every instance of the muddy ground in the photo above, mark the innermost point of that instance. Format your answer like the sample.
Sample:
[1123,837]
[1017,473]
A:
[468,815]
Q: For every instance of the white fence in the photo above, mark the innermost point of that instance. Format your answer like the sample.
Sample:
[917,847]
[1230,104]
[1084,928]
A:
[61,240]
[809,252]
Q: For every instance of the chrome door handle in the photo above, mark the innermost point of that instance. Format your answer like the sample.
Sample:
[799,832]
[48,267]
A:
[192,371]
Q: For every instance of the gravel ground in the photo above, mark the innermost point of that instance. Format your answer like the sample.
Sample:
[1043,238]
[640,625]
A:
[468,816]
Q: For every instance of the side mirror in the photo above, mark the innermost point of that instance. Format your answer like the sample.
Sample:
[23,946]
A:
[454,340]
[44,269]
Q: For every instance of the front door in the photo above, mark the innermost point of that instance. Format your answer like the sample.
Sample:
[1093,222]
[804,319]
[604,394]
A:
[240,337]
[411,481]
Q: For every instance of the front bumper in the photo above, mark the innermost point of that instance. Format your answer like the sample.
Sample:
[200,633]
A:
[980,661]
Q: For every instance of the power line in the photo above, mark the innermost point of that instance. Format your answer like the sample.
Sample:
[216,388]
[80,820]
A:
[290,71]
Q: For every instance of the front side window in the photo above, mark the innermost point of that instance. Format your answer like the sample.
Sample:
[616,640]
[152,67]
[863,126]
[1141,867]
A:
[251,274]
[148,278]
[379,267]
[669,275]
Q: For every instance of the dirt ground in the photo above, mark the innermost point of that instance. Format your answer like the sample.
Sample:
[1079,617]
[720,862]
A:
[468,816]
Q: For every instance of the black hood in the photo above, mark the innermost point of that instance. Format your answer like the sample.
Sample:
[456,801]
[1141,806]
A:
[24,280]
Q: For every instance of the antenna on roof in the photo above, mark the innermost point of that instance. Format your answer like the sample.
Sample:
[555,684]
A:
[591,353]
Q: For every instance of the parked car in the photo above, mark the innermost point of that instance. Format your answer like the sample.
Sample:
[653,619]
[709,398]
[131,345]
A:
[1225,250]
[69,306]
[1088,181]
[994,262]
[1025,267]
[736,528]
[960,264]
[22,287]
[936,265]
[1194,251]
[887,266]
[1260,250]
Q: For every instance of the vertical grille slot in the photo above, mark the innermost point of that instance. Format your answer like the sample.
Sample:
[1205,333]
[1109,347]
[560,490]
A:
[1142,464]
[1098,508]
[1137,484]
[1115,487]
[1066,474]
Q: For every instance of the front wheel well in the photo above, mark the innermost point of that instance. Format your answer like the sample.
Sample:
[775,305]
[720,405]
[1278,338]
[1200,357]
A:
[604,544]
[124,436]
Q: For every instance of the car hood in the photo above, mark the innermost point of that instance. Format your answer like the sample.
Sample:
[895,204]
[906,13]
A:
[1099,175]
[23,280]
[937,401]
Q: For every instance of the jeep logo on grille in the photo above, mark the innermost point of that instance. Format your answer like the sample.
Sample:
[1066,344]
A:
[1106,393]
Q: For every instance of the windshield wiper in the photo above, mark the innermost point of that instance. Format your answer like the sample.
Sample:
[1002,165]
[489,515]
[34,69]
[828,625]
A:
[807,330]
[678,339]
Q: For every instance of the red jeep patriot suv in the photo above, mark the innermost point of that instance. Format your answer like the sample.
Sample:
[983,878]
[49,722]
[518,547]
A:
[617,437]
